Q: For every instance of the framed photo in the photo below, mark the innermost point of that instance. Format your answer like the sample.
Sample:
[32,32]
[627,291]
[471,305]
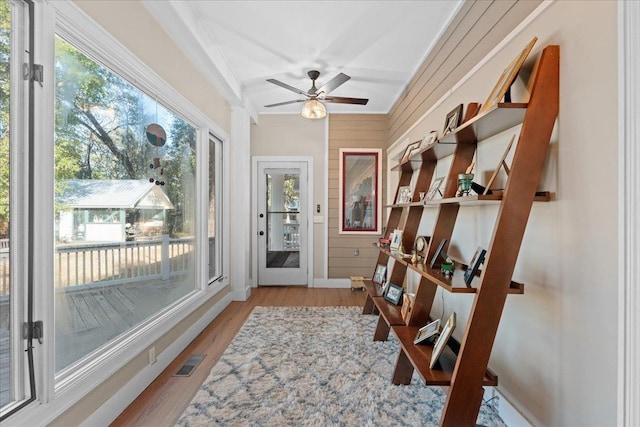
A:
[441,343]
[429,140]
[396,241]
[501,164]
[360,191]
[439,253]
[407,305]
[434,189]
[393,294]
[410,148]
[421,244]
[427,331]
[380,274]
[453,119]
[478,258]
[507,78]
[404,195]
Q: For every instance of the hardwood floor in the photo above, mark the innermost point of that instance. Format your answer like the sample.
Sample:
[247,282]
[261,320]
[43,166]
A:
[162,403]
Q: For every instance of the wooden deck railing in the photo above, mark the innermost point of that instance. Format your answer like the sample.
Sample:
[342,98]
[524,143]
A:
[97,264]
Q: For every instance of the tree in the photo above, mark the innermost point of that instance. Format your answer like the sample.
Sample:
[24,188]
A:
[100,133]
[99,113]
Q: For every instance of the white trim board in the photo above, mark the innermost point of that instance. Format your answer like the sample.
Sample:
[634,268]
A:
[628,214]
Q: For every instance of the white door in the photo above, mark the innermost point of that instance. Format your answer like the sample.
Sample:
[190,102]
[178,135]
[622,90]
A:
[282,223]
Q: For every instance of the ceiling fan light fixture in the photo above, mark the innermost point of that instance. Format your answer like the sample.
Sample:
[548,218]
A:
[313,109]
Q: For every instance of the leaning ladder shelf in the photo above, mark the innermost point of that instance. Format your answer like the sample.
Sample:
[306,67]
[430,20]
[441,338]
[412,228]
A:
[464,367]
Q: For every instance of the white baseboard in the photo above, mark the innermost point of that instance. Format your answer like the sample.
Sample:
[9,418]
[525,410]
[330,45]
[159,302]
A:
[240,294]
[117,403]
[509,413]
[331,283]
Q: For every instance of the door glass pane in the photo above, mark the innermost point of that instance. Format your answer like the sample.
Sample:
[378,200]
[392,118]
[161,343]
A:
[14,36]
[283,209]
[124,206]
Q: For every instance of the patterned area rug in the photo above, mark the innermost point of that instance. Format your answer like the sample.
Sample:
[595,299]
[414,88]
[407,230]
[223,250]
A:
[313,366]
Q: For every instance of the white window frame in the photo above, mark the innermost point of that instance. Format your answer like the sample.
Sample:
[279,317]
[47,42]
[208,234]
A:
[57,393]
[219,220]
[18,161]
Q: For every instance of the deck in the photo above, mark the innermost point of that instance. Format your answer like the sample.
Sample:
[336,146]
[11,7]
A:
[87,318]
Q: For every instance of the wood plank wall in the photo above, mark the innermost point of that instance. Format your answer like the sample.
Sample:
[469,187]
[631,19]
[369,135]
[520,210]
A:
[477,28]
[353,131]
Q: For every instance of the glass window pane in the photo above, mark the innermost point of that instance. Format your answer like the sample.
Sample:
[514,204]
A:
[124,206]
[214,229]
[283,236]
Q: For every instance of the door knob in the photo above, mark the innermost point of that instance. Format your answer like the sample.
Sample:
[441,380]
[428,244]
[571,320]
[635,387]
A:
[261,233]
[261,215]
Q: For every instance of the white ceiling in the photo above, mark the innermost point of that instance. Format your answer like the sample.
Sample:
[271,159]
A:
[380,44]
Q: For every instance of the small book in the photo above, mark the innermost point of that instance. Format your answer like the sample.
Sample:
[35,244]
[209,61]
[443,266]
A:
[427,331]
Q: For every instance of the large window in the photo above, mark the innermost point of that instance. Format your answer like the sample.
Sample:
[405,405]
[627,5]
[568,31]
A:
[124,206]
[111,219]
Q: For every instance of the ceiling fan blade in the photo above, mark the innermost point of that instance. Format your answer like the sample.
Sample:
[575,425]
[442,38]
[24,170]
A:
[286,86]
[286,102]
[333,83]
[343,100]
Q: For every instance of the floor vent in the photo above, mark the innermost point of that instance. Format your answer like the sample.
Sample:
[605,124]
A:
[188,368]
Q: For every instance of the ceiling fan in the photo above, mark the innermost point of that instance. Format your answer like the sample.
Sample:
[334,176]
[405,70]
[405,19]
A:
[314,107]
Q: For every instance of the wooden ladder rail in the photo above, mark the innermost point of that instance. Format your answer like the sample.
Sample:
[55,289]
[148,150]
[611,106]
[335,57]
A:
[465,393]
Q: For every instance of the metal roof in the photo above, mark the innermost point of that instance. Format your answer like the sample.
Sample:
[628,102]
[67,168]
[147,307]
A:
[113,194]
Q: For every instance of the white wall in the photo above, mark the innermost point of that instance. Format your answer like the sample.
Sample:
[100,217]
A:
[556,349]
[293,135]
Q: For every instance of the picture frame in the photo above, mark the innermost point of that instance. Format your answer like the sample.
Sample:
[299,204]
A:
[421,245]
[396,241]
[429,140]
[383,287]
[478,258]
[404,194]
[507,78]
[454,117]
[380,275]
[434,188]
[442,340]
[439,252]
[427,331]
[409,149]
[360,191]
[393,294]
[502,163]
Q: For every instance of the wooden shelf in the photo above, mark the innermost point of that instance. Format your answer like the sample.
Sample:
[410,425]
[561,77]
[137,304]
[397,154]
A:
[413,163]
[390,312]
[373,289]
[490,287]
[504,116]
[434,152]
[420,357]
[484,199]
[454,284]
[405,205]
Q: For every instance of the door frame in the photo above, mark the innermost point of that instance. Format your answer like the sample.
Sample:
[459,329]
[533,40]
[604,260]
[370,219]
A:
[254,212]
